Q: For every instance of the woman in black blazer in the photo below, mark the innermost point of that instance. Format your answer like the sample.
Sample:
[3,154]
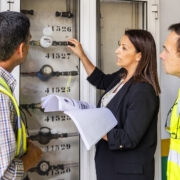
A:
[132,94]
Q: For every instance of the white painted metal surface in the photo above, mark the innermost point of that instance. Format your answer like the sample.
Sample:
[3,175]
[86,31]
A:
[88,92]
[88,37]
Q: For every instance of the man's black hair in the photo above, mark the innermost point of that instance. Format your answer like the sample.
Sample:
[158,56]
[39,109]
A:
[14,29]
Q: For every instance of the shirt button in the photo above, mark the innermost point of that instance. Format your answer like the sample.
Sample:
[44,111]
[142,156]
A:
[121,146]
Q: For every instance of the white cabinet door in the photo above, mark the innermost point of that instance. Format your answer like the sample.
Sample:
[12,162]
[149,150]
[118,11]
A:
[134,14]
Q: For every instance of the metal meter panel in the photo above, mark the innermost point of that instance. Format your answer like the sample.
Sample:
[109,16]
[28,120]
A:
[51,68]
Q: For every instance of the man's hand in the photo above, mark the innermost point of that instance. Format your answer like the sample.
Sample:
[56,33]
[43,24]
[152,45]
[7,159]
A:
[32,157]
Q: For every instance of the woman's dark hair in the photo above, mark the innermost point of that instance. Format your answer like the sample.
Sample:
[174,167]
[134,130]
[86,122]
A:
[146,70]
[14,29]
[176,29]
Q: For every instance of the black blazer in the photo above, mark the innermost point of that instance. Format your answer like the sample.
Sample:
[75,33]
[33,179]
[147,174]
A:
[129,152]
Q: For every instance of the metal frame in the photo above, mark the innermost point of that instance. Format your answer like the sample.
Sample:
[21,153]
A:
[88,36]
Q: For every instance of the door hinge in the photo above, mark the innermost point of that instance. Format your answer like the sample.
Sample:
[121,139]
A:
[155,10]
[10,4]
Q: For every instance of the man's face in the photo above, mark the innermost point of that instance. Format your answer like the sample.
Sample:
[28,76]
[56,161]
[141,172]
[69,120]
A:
[170,57]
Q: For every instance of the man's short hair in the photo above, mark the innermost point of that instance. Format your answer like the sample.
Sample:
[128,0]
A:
[14,29]
[176,29]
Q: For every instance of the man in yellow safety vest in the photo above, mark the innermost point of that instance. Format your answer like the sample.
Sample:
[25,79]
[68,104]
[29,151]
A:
[171,64]
[17,154]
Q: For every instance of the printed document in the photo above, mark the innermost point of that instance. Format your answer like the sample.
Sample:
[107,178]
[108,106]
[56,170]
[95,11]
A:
[53,103]
[92,123]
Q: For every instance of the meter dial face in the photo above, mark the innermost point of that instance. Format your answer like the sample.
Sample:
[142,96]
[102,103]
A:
[45,130]
[45,41]
[44,167]
[47,70]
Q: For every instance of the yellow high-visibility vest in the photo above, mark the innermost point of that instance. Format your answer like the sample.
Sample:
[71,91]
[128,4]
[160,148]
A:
[173,168]
[21,141]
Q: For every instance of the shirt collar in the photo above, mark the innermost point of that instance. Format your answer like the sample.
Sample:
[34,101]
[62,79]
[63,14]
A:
[10,80]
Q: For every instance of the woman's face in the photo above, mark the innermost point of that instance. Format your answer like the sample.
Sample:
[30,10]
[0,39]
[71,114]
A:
[127,57]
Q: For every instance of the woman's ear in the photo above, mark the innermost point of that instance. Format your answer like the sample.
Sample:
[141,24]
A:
[138,56]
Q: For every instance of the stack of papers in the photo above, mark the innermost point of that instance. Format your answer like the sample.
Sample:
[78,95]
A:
[92,123]
[53,103]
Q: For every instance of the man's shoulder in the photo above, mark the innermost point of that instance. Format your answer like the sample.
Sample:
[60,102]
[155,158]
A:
[8,78]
